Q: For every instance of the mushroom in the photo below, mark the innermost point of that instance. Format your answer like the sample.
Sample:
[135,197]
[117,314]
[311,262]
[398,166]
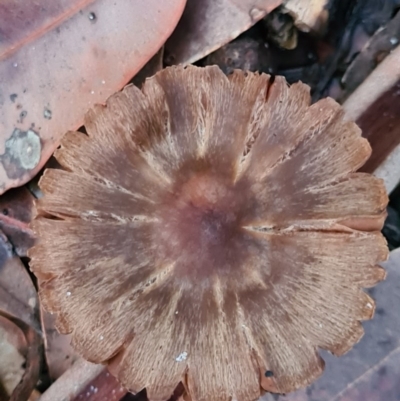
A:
[211,230]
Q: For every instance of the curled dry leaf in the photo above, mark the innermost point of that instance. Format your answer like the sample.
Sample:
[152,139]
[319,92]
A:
[58,58]
[375,50]
[19,303]
[32,366]
[16,212]
[18,296]
[207,25]
[12,350]
[218,238]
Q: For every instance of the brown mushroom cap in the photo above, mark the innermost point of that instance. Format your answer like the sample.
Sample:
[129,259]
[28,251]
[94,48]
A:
[211,230]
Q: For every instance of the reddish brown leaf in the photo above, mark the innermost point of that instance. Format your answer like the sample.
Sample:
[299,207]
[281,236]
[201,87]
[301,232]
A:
[209,24]
[60,58]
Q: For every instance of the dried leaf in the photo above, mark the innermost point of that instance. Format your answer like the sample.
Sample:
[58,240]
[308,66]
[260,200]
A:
[12,350]
[379,46]
[19,303]
[59,354]
[33,364]
[154,65]
[59,58]
[18,297]
[16,212]
[209,24]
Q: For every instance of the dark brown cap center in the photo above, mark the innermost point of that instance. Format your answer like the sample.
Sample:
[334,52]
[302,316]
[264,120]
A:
[200,225]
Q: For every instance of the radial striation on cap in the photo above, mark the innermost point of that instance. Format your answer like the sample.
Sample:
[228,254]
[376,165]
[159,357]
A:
[208,229]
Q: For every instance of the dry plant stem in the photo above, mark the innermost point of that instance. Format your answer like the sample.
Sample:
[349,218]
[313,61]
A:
[72,382]
[219,237]
[374,106]
[381,80]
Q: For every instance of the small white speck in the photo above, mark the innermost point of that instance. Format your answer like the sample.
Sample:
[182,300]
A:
[88,394]
[320,325]
[369,306]
[256,13]
[182,357]
[393,41]
[176,312]
[32,302]
[68,293]
[92,92]
[101,338]
[113,391]
[91,388]
[15,64]
[95,390]
[103,82]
